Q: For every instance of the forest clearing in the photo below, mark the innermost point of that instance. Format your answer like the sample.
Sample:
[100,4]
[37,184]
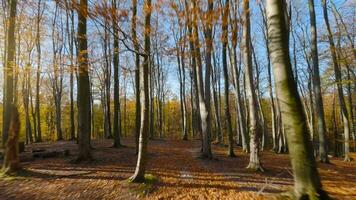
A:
[181,174]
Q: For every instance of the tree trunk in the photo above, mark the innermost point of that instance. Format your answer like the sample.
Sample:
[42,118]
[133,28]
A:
[139,175]
[270,87]
[196,119]
[11,159]
[38,74]
[319,110]
[204,92]
[83,85]
[338,79]
[251,94]
[238,101]
[306,178]
[8,71]
[137,74]
[219,136]
[70,32]
[117,117]
[225,18]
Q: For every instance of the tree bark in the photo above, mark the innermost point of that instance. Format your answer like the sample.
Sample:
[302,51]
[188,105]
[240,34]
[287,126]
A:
[338,79]
[38,74]
[117,114]
[9,71]
[137,74]
[225,17]
[139,175]
[251,94]
[307,183]
[83,84]
[319,110]
[11,159]
[204,92]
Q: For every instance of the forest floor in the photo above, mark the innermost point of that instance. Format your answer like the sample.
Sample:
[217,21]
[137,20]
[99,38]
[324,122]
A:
[180,172]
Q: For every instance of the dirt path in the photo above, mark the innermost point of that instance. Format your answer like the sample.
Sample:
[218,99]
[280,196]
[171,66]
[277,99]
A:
[181,174]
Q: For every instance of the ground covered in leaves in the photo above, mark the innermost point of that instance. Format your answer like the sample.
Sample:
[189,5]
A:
[180,174]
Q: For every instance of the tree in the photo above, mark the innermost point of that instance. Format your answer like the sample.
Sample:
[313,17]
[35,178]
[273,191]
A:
[251,93]
[11,160]
[236,72]
[9,71]
[319,110]
[56,78]
[38,74]
[137,74]
[225,18]
[270,88]
[139,175]
[117,117]
[307,183]
[338,79]
[83,84]
[204,89]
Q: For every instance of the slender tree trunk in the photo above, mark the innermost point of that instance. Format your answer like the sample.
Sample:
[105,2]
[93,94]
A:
[306,178]
[338,79]
[196,119]
[139,175]
[137,75]
[181,92]
[26,102]
[239,110]
[204,92]
[38,74]
[319,110]
[83,84]
[9,71]
[219,136]
[270,87]
[225,18]
[70,33]
[251,94]
[117,117]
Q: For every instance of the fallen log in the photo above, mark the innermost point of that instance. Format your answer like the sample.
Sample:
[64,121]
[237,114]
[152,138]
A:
[50,154]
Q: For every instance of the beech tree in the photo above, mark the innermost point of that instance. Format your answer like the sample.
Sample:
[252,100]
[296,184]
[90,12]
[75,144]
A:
[307,183]
[319,110]
[338,79]
[9,71]
[83,84]
[137,74]
[225,18]
[254,130]
[117,117]
[139,175]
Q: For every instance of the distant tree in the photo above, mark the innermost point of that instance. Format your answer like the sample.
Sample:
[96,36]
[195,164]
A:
[56,78]
[71,44]
[38,74]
